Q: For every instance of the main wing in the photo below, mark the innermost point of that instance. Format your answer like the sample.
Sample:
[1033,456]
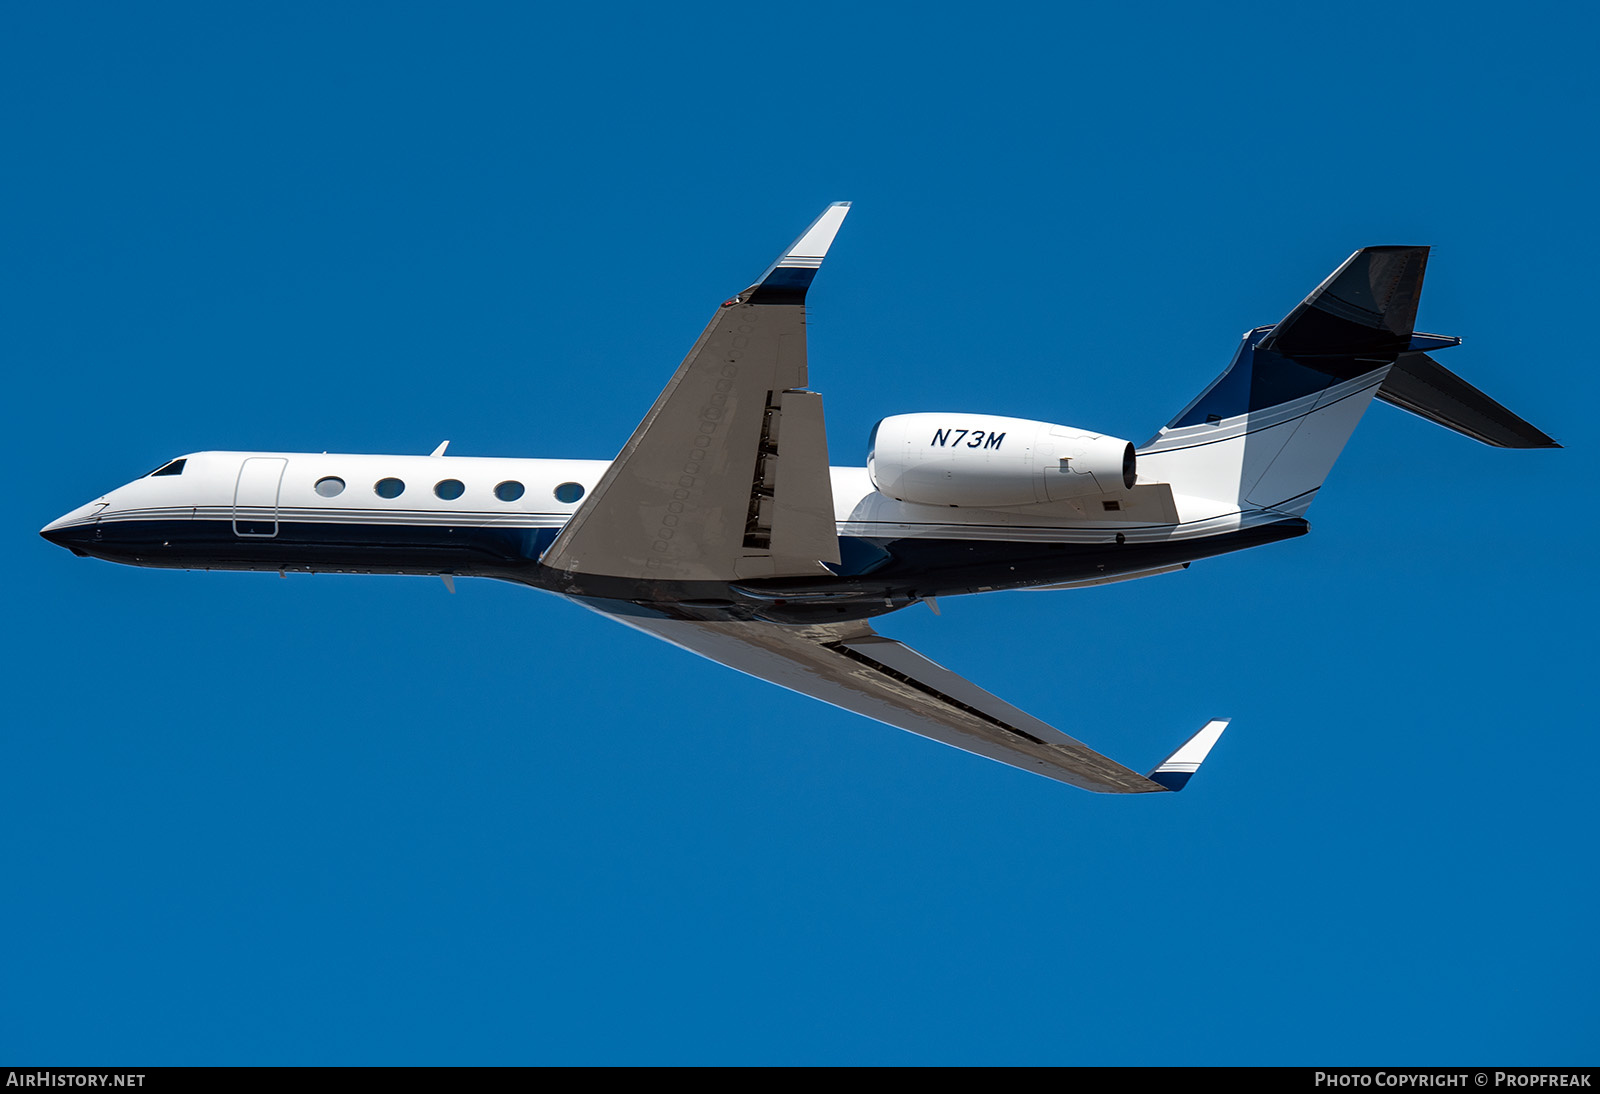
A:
[726,477]
[851,666]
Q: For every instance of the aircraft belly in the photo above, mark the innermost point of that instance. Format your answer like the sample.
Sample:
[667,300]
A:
[913,570]
[894,573]
[936,567]
[358,547]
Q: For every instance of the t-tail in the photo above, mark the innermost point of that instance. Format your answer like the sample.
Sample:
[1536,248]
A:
[1267,431]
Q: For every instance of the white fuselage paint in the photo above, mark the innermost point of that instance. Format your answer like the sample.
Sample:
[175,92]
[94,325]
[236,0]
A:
[236,486]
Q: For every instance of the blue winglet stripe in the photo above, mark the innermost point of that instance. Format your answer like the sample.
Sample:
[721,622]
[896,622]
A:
[784,285]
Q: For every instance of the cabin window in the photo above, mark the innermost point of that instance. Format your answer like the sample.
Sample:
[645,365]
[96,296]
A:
[450,489]
[509,491]
[389,488]
[569,492]
[173,468]
[330,487]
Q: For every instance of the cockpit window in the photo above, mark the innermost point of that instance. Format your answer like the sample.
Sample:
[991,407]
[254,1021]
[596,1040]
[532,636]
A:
[173,468]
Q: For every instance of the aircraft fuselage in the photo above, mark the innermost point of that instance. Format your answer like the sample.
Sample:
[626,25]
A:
[485,517]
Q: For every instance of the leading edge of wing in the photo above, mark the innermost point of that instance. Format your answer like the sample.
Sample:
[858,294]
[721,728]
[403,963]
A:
[850,666]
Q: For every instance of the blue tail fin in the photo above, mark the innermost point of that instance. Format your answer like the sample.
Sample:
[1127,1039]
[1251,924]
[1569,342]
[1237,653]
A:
[1267,431]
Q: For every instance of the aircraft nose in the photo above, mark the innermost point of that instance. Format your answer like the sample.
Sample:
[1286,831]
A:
[72,530]
[58,534]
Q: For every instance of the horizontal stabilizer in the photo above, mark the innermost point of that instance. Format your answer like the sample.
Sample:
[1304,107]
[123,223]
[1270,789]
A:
[1427,389]
[1422,343]
[1367,306]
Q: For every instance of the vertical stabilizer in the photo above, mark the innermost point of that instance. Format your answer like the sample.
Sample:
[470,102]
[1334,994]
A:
[1267,431]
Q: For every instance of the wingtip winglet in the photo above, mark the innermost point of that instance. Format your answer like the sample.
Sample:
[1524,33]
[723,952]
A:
[1176,770]
[787,279]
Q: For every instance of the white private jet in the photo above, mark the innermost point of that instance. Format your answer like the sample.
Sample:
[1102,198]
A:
[722,529]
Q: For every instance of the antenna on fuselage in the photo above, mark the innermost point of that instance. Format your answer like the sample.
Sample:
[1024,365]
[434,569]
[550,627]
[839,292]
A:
[440,450]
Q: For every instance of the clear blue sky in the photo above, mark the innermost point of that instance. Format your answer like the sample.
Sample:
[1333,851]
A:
[357,820]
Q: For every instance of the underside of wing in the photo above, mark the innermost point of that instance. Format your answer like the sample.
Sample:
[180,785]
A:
[852,667]
[726,478]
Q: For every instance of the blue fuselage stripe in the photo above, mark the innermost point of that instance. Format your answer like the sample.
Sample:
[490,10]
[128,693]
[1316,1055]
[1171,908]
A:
[873,567]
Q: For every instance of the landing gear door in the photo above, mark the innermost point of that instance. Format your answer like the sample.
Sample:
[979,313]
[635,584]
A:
[255,497]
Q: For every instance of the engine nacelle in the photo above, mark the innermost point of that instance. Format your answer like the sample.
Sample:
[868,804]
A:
[992,462]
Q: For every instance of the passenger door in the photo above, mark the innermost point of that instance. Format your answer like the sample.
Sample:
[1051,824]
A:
[255,496]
